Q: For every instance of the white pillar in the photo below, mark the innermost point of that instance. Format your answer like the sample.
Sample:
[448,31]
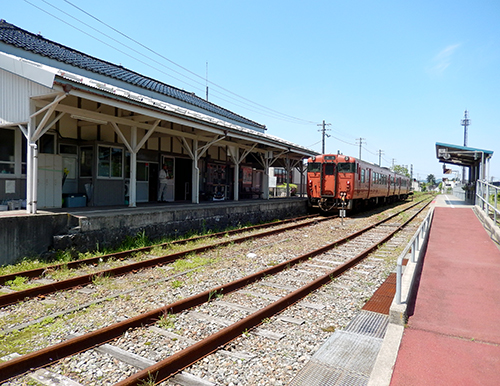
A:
[35,178]
[287,169]
[195,192]
[133,169]
[236,181]
[30,161]
[265,183]
[29,176]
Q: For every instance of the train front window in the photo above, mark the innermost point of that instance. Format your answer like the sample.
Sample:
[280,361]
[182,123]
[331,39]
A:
[329,169]
[346,167]
[314,167]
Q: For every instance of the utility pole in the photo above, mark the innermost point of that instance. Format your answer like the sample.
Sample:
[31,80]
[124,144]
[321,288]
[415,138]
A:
[393,160]
[380,152]
[465,122]
[324,130]
[361,142]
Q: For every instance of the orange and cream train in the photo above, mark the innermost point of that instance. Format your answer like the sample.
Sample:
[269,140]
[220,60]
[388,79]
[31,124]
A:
[337,181]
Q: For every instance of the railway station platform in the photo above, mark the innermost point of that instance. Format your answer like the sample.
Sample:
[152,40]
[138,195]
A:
[84,228]
[452,336]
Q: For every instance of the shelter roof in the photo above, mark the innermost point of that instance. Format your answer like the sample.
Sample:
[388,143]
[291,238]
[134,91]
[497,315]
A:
[461,155]
[37,44]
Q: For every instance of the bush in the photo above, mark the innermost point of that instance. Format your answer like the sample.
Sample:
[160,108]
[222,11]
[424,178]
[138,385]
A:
[293,188]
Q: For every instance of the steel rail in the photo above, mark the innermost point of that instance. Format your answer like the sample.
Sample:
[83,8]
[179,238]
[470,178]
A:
[95,338]
[15,297]
[37,272]
[168,367]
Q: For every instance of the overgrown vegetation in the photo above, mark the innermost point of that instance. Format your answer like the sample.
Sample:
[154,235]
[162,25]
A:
[20,341]
[141,240]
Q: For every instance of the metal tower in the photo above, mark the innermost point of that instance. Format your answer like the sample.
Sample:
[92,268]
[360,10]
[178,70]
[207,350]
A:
[465,122]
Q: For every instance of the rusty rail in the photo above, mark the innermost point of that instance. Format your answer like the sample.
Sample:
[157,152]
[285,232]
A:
[37,272]
[18,296]
[184,358]
[72,346]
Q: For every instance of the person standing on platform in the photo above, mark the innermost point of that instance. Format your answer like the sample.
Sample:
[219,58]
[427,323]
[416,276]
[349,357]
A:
[162,190]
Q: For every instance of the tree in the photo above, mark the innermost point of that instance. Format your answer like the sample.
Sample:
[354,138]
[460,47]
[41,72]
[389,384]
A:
[400,169]
[431,179]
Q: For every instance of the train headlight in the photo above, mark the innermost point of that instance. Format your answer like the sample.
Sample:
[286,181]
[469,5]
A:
[348,185]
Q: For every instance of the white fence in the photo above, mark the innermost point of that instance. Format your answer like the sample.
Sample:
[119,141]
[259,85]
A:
[487,197]
[417,244]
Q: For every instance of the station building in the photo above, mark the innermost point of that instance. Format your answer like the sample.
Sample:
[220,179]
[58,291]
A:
[79,131]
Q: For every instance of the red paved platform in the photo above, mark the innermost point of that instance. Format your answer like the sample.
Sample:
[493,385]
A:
[453,337]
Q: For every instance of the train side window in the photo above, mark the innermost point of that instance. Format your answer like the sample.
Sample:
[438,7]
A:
[329,169]
[362,176]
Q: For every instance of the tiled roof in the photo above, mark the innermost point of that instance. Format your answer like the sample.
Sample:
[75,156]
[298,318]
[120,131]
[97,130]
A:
[13,35]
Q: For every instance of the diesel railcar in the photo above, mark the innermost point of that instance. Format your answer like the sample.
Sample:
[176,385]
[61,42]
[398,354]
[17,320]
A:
[337,181]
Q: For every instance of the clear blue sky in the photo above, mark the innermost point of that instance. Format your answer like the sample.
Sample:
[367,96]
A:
[398,74]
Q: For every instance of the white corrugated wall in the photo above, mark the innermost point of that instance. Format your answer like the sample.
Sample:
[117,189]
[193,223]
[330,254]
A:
[15,93]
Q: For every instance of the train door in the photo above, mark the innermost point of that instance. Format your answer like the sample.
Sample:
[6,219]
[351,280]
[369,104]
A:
[328,180]
[369,181]
[357,185]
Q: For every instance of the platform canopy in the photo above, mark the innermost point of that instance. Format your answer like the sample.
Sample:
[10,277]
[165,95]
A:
[461,155]
[470,157]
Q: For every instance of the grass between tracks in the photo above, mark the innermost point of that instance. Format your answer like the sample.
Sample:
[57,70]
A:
[130,243]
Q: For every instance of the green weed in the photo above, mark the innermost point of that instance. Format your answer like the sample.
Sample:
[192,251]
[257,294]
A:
[167,321]
[20,283]
[176,284]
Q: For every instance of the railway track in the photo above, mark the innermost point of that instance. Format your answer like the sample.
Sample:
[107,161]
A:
[314,267]
[151,261]
[39,272]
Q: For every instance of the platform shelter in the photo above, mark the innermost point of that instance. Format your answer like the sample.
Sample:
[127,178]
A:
[77,130]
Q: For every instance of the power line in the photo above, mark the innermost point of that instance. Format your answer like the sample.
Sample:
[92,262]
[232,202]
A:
[277,115]
[184,68]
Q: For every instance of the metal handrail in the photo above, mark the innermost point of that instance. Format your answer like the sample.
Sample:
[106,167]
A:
[416,243]
[483,193]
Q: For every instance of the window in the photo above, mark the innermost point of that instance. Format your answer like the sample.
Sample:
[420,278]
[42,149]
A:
[280,175]
[346,167]
[86,160]
[47,144]
[142,172]
[313,167]
[362,176]
[68,149]
[24,152]
[329,169]
[109,162]
[7,151]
